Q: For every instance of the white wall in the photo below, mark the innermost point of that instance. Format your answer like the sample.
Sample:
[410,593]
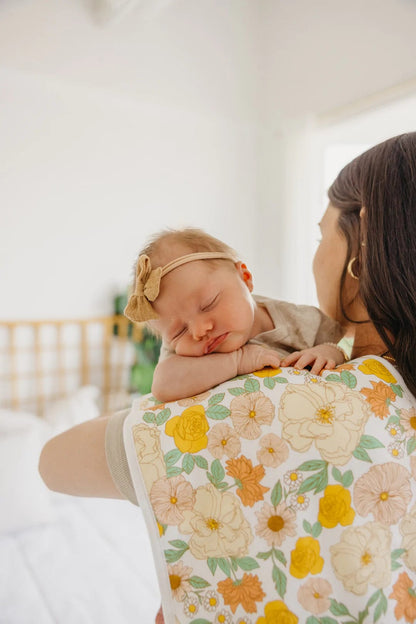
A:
[199,112]
[88,172]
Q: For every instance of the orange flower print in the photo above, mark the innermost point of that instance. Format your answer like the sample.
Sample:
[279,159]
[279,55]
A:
[246,592]
[248,479]
[379,398]
[405,594]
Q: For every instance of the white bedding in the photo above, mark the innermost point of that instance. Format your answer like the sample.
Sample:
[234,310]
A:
[91,565]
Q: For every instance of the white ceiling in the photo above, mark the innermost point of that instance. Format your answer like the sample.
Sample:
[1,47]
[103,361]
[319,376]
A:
[245,59]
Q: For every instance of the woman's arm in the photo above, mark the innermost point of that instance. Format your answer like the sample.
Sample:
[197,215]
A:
[74,462]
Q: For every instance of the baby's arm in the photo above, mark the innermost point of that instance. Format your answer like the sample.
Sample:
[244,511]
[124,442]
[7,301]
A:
[319,357]
[177,377]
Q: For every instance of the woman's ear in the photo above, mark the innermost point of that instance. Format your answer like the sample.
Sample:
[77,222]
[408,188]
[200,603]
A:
[245,275]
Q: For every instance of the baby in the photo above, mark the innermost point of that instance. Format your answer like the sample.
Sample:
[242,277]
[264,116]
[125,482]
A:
[196,294]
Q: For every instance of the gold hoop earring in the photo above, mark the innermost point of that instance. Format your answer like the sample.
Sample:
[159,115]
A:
[349,268]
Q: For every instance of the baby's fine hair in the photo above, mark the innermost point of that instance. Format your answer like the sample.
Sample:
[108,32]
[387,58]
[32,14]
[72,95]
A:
[187,240]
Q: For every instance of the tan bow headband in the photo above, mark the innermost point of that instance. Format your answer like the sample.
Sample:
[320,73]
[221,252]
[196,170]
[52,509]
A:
[139,306]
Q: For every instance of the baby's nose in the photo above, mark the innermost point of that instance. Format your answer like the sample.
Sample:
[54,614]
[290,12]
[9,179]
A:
[201,328]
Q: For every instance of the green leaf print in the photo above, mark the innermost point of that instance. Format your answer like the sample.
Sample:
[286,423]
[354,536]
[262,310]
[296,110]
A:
[347,479]
[172,556]
[328,620]
[280,379]
[149,417]
[200,621]
[163,416]
[264,555]
[313,464]
[397,390]
[269,382]
[179,544]
[280,581]
[307,527]
[276,495]
[337,608]
[212,564]
[368,442]
[380,608]
[348,379]
[224,564]
[188,463]
[337,474]
[217,398]
[236,391]
[173,471]
[247,563]
[333,377]
[279,556]
[218,412]
[198,583]
[201,462]
[217,470]
[251,385]
[312,620]
[362,454]
[411,445]
[316,529]
[172,457]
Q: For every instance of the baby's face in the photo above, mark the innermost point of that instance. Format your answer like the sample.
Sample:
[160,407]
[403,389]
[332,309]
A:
[205,308]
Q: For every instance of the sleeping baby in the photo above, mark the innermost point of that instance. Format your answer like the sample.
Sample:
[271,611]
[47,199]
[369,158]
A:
[196,294]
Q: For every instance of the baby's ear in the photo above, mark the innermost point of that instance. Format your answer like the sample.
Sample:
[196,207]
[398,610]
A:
[245,275]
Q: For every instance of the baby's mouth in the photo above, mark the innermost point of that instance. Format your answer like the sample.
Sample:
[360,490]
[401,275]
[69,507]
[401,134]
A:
[213,344]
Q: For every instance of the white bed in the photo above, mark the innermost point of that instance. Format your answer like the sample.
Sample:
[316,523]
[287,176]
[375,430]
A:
[65,560]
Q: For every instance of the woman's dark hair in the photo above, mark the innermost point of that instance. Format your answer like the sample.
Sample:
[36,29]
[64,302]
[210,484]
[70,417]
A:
[383,182]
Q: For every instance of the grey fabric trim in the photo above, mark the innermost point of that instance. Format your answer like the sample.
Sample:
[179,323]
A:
[116,456]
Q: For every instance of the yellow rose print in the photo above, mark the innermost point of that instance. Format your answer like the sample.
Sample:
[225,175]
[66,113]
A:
[276,612]
[267,372]
[305,558]
[189,430]
[335,507]
[374,367]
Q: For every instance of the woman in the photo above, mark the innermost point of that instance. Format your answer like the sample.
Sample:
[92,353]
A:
[365,273]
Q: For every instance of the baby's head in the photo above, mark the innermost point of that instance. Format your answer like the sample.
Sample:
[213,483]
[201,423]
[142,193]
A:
[192,290]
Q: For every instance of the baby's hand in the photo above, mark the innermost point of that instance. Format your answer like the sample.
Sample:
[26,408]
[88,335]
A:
[253,357]
[319,357]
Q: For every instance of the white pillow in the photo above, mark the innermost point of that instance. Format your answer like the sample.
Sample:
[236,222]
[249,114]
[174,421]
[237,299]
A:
[65,413]
[24,499]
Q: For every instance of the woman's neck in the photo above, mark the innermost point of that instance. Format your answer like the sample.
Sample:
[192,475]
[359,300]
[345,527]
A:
[367,341]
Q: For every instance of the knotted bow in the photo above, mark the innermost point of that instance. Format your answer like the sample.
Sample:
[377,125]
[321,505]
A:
[146,290]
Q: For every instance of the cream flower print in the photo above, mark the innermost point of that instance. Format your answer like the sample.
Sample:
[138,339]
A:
[211,600]
[314,595]
[273,450]
[383,491]
[275,523]
[149,453]
[328,415]
[408,421]
[293,479]
[216,524]
[395,431]
[396,450]
[191,605]
[170,498]
[223,440]
[363,557]
[178,578]
[194,400]
[249,412]
[223,617]
[408,531]
[299,501]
